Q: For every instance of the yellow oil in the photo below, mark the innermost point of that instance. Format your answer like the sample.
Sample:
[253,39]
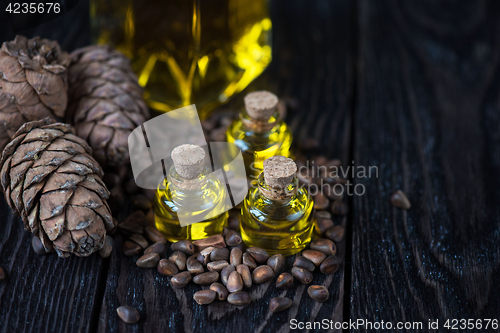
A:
[257,147]
[188,51]
[284,227]
[170,198]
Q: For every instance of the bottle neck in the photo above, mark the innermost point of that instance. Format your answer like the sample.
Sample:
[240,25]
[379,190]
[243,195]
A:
[281,195]
[259,125]
[192,185]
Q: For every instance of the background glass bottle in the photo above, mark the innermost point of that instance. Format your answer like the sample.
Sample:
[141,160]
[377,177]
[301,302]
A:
[277,215]
[259,132]
[191,193]
[188,51]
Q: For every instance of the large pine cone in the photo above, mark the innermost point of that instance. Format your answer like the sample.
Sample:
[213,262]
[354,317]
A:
[51,180]
[105,102]
[33,82]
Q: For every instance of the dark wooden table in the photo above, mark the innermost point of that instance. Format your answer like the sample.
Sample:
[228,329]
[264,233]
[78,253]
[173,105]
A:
[412,88]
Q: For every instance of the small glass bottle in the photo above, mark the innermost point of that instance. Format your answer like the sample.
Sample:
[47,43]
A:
[259,132]
[277,215]
[190,193]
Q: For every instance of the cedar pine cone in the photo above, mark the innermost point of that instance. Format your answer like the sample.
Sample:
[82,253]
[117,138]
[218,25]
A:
[106,102]
[51,180]
[33,83]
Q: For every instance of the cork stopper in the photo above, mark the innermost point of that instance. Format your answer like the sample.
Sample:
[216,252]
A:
[189,160]
[279,171]
[261,105]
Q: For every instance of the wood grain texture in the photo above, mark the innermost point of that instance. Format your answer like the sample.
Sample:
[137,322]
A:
[43,293]
[312,65]
[427,116]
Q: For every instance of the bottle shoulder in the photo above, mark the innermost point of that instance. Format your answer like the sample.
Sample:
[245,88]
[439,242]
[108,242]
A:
[246,139]
[238,127]
[265,210]
[212,194]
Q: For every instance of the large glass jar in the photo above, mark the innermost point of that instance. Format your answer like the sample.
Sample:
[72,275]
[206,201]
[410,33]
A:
[188,51]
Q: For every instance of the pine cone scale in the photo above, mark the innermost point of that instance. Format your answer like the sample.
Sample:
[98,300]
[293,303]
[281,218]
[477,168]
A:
[80,142]
[55,69]
[29,197]
[17,173]
[107,91]
[67,146]
[125,102]
[93,69]
[63,245]
[46,242]
[40,135]
[50,89]
[116,75]
[52,160]
[62,181]
[92,184]
[100,110]
[54,226]
[106,217]
[89,162]
[71,167]
[22,91]
[32,223]
[5,174]
[7,104]
[54,203]
[33,112]
[79,218]
[37,174]
[101,137]
[29,152]
[86,199]
[119,121]
[86,88]
[11,70]
[16,192]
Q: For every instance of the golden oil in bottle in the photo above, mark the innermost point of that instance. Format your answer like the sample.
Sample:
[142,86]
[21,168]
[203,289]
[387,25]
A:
[188,51]
[277,215]
[259,132]
[190,193]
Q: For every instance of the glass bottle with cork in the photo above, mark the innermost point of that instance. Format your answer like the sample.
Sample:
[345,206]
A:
[190,194]
[259,132]
[277,215]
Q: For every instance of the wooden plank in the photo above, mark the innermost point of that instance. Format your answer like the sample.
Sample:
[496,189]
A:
[427,116]
[43,293]
[311,64]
